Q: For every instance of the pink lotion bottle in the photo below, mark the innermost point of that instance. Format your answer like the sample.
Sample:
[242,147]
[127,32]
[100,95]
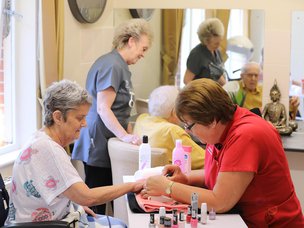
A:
[178,155]
[187,151]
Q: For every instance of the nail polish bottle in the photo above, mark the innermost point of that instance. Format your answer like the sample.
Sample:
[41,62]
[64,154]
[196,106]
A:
[162,215]
[212,214]
[204,213]
[152,221]
[181,219]
[194,220]
[189,212]
[175,221]
[194,202]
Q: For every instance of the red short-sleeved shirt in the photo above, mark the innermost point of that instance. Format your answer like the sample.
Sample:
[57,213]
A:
[250,144]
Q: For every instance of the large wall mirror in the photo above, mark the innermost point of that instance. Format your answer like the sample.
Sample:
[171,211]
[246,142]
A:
[242,23]
[297,59]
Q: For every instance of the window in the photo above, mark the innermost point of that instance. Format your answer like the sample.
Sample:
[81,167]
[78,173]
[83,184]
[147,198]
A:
[6,88]
[193,18]
[235,60]
[18,105]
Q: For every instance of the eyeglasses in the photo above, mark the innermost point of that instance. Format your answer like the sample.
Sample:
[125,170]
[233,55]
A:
[189,127]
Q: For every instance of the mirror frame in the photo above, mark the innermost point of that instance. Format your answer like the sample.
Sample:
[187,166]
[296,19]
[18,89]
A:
[79,16]
[142,13]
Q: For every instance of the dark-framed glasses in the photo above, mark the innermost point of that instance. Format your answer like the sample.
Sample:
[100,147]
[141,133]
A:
[188,127]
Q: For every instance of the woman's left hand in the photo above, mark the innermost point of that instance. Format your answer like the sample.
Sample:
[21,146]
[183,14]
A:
[89,211]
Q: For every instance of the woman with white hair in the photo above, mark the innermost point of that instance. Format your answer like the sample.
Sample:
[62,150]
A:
[161,125]
[109,83]
[204,60]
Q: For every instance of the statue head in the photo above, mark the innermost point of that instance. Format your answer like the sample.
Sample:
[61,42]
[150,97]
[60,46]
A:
[275,93]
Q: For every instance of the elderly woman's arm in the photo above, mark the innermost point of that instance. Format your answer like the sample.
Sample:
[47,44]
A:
[105,100]
[222,80]
[188,77]
[229,188]
[81,194]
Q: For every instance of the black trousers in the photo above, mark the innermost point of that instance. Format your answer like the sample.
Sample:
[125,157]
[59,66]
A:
[97,177]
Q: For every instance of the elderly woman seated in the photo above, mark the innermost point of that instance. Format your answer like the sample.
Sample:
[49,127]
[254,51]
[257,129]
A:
[161,125]
[45,183]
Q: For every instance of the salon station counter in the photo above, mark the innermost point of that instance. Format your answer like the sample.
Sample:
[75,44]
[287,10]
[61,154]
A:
[222,220]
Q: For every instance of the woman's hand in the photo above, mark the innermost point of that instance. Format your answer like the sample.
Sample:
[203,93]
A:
[89,211]
[129,138]
[174,173]
[137,186]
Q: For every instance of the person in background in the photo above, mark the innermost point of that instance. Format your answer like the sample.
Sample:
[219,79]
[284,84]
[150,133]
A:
[44,181]
[245,165]
[204,60]
[250,92]
[161,125]
[109,83]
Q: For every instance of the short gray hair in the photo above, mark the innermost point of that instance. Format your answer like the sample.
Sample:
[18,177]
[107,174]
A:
[132,28]
[209,28]
[63,96]
[250,65]
[162,101]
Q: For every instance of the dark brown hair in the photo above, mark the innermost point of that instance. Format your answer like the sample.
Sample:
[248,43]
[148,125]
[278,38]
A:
[204,101]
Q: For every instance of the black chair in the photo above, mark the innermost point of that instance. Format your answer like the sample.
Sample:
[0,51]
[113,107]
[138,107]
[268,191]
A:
[4,205]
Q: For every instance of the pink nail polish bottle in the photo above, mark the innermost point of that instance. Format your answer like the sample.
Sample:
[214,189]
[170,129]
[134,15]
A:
[194,220]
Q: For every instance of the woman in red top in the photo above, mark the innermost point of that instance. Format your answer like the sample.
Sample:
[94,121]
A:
[245,165]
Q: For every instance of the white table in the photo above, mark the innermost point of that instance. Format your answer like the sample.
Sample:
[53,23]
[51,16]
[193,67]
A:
[222,220]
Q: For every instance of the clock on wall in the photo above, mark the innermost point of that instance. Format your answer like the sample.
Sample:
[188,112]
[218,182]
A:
[142,13]
[87,11]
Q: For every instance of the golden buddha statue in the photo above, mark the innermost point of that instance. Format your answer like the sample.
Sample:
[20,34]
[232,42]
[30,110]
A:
[275,112]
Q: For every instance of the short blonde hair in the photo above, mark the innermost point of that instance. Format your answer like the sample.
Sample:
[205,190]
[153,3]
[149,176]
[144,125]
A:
[209,28]
[162,101]
[132,28]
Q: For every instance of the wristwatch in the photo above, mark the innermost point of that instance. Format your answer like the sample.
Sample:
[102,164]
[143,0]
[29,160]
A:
[169,188]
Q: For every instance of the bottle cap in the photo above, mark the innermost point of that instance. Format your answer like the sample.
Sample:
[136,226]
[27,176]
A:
[187,149]
[145,139]
[151,218]
[181,216]
[178,143]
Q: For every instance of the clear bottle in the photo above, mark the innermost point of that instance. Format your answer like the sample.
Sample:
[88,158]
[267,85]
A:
[144,155]
[204,213]
[187,151]
[178,155]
